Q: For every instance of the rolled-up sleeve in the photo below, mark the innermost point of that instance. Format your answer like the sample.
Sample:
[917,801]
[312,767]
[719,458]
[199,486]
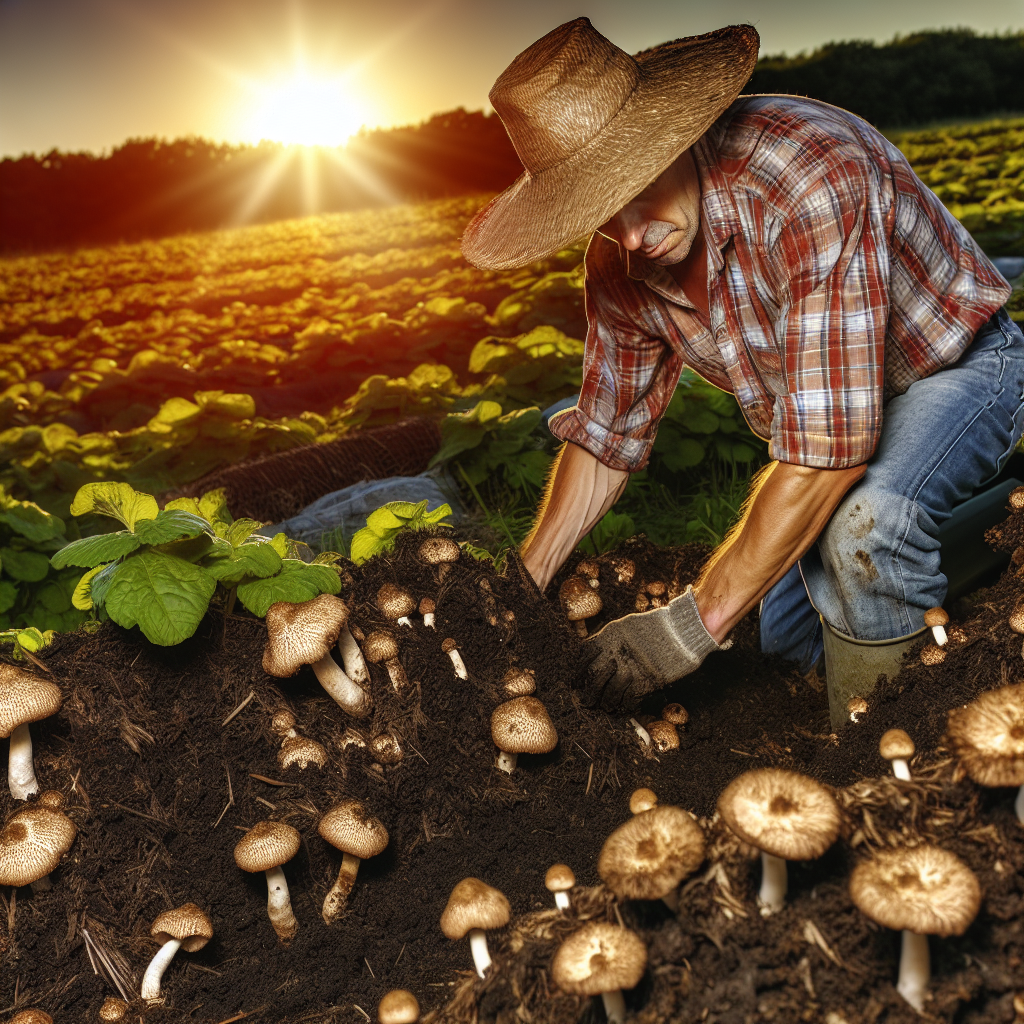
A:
[628,374]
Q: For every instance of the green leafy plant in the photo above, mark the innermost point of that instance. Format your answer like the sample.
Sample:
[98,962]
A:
[26,642]
[384,524]
[160,572]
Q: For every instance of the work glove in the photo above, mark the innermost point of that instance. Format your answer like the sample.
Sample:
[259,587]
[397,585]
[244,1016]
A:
[642,652]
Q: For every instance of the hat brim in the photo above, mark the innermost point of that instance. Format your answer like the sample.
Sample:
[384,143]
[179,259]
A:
[684,87]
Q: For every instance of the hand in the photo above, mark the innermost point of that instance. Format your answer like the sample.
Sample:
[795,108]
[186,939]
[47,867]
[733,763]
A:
[642,652]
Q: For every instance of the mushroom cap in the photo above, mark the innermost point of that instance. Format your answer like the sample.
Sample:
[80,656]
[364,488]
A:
[656,588]
[380,645]
[53,799]
[1016,498]
[449,645]
[33,1015]
[642,799]
[398,1006]
[599,958]
[519,682]
[782,813]
[988,736]
[439,549]
[32,844]
[663,735]
[933,654]
[268,844]
[1016,619]
[589,568]
[522,726]
[625,569]
[427,607]
[675,713]
[559,877]
[395,601]
[282,722]
[857,706]
[579,599]
[351,828]
[187,923]
[896,743]
[25,698]
[303,751]
[924,889]
[386,749]
[474,904]
[646,857]
[301,634]
[936,617]
[113,1009]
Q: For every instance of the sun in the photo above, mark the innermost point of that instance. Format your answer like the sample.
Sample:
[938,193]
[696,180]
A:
[307,110]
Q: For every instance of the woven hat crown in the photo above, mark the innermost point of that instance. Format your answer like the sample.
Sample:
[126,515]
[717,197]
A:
[558,94]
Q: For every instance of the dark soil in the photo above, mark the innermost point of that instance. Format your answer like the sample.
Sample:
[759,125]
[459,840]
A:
[142,754]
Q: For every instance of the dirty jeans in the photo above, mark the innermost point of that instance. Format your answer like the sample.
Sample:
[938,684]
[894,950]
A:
[874,570]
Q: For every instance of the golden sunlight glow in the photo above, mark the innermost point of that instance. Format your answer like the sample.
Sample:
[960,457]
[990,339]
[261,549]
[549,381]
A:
[306,110]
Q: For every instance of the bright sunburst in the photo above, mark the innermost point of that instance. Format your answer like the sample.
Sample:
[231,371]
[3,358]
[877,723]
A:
[307,110]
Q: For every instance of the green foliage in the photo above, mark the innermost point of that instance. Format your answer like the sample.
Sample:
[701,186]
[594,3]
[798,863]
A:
[160,572]
[385,523]
[30,640]
[613,528]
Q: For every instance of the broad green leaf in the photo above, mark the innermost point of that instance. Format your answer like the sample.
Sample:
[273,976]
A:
[33,640]
[365,544]
[241,530]
[685,453]
[295,583]
[82,597]
[53,596]
[193,549]
[101,582]
[213,506]
[175,412]
[700,421]
[258,560]
[183,505]
[383,520]
[165,597]
[174,524]
[27,566]
[280,544]
[328,558]
[238,407]
[117,500]
[443,511]
[29,520]
[8,595]
[90,551]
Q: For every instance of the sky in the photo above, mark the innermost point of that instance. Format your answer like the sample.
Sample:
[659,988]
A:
[89,74]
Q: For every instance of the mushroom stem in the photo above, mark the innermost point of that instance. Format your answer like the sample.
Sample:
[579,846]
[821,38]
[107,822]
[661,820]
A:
[21,775]
[614,1006]
[399,680]
[350,697]
[774,883]
[460,665]
[337,896]
[581,632]
[939,632]
[900,769]
[279,905]
[507,761]
[562,900]
[155,971]
[352,657]
[428,620]
[404,620]
[642,733]
[1018,805]
[915,969]
[478,947]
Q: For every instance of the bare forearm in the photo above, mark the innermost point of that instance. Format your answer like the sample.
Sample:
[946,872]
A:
[579,492]
[789,507]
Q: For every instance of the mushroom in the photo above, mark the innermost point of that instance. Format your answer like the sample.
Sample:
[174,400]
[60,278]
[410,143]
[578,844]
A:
[856,707]
[381,646]
[112,1010]
[303,634]
[295,748]
[579,602]
[1016,619]
[987,736]
[519,682]
[439,552]
[642,602]
[351,657]
[33,1015]
[601,959]
[663,735]
[265,847]
[937,620]
[396,603]
[675,713]
[589,570]
[32,844]
[932,654]
[647,857]
[521,726]
[398,1006]
[1016,498]
[657,591]
[427,610]
[186,927]
[896,746]
[351,828]
[475,907]
[386,749]
[642,799]
[559,880]
[920,891]
[787,816]
[625,569]
[24,698]
[451,648]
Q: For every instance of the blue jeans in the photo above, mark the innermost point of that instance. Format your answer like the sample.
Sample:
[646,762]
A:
[874,570]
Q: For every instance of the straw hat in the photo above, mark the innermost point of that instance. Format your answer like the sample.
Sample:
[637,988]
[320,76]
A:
[594,126]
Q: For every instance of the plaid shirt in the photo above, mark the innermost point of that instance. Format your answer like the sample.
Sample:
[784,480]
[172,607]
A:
[836,279]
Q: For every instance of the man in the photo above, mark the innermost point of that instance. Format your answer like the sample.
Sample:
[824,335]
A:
[787,253]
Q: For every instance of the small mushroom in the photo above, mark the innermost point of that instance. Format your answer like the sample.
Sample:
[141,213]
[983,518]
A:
[932,654]
[386,749]
[521,726]
[675,713]
[559,880]
[351,828]
[380,646]
[657,591]
[475,907]
[266,847]
[398,1006]
[519,682]
[427,610]
[451,648]
[937,620]
[642,602]
[112,1010]
[32,844]
[295,748]
[663,735]
[642,799]
[787,816]
[303,634]
[1016,498]
[625,569]
[33,1015]
[601,960]
[920,891]
[588,568]
[440,552]
[579,602]
[24,698]
[186,927]
[896,746]
[396,603]
[856,707]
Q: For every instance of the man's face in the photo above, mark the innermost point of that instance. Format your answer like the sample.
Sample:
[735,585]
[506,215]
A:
[661,223]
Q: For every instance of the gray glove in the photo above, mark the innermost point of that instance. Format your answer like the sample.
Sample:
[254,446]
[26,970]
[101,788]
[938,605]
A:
[644,651]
